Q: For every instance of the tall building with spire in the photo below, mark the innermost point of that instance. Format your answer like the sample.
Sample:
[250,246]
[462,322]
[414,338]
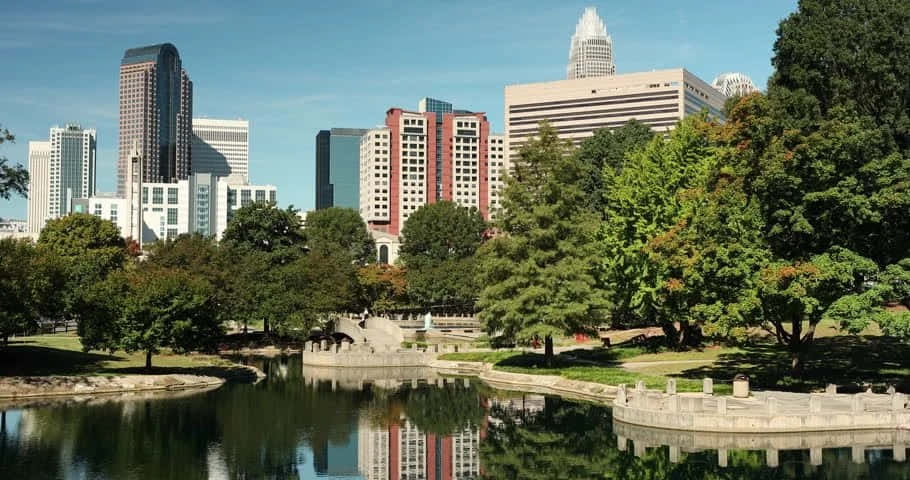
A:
[156,111]
[591,50]
[734,84]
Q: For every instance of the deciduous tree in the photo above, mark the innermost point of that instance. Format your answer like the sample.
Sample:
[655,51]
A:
[13,179]
[335,227]
[608,149]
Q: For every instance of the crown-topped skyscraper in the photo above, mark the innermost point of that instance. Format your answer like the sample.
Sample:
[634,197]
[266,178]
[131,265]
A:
[591,52]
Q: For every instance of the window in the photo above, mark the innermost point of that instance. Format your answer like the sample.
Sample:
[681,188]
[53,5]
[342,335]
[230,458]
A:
[260,196]
[171,232]
[384,254]
[157,195]
[145,195]
[97,209]
[272,196]
[172,196]
[172,216]
[232,198]
[244,198]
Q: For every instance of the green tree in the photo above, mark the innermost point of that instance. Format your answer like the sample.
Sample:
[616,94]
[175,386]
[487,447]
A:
[644,200]
[18,309]
[438,243]
[13,179]
[75,252]
[268,238]
[330,228]
[383,287]
[607,149]
[709,260]
[266,228]
[163,307]
[538,276]
[853,53]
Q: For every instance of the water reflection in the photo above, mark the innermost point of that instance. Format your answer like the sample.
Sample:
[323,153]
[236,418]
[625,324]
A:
[309,423]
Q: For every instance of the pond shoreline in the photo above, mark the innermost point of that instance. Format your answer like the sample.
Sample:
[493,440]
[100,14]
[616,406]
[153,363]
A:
[14,388]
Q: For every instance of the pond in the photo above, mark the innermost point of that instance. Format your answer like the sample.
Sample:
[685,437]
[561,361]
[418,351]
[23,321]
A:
[307,423]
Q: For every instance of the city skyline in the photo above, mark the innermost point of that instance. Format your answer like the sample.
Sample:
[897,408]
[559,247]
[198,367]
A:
[336,81]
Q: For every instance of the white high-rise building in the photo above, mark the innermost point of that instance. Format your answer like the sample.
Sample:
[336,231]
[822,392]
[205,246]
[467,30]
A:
[221,147]
[39,159]
[591,50]
[497,168]
[62,169]
[734,84]
[375,168]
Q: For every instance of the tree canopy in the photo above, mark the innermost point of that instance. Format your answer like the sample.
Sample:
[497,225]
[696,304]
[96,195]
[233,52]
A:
[335,227]
[607,149]
[438,243]
[13,179]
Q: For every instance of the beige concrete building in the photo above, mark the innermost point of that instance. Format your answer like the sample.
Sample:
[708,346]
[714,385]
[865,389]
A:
[576,108]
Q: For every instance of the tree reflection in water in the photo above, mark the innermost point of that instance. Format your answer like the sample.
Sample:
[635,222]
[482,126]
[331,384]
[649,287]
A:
[272,429]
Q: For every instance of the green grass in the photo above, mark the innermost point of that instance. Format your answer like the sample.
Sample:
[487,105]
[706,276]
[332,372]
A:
[486,357]
[61,354]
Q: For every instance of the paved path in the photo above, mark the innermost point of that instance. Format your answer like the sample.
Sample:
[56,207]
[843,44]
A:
[636,365]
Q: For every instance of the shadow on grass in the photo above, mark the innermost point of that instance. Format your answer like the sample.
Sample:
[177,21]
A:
[851,362]
[19,359]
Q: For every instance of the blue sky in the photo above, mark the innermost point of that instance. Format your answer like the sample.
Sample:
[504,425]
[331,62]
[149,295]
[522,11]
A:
[294,68]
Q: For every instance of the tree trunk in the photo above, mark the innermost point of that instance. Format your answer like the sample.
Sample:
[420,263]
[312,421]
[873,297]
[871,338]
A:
[796,363]
[265,326]
[548,350]
[148,360]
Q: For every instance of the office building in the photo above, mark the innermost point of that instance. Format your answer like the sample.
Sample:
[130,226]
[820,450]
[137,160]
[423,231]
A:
[338,167]
[577,108]
[440,108]
[39,160]
[496,169]
[156,112]
[221,147]
[202,203]
[734,84]
[398,166]
[591,49]
[60,170]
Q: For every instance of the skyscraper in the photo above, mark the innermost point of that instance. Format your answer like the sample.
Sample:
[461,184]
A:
[338,167]
[62,169]
[440,108]
[221,147]
[399,165]
[39,158]
[734,84]
[156,112]
[591,50]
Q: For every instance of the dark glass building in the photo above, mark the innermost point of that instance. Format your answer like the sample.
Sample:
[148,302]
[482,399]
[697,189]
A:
[156,112]
[338,168]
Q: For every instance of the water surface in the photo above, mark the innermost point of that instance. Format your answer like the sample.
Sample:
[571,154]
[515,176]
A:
[312,423]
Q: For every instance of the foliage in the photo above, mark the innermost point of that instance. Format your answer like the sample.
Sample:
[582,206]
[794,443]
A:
[340,227]
[537,277]
[708,261]
[607,149]
[18,309]
[13,179]
[438,243]
[444,411]
[151,308]
[383,287]
[266,228]
[853,53]
[75,252]
[644,200]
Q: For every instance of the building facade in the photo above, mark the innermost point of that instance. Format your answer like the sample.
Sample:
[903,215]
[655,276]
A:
[591,49]
[156,112]
[496,170]
[577,108]
[60,170]
[39,160]
[399,167]
[202,204]
[440,108]
[221,147]
[338,167]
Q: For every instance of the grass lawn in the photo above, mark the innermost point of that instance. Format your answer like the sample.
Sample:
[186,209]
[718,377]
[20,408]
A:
[854,363]
[61,354]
